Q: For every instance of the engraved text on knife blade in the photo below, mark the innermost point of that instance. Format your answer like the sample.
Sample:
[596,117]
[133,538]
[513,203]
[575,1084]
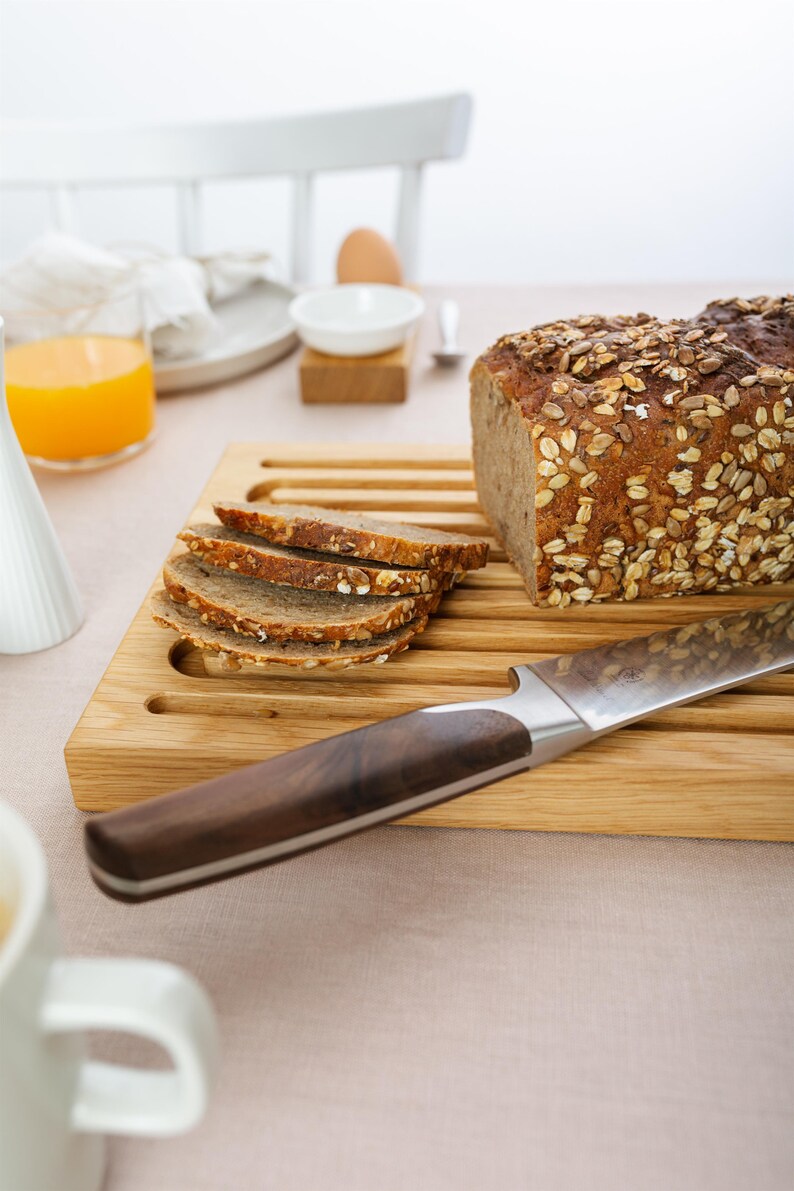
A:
[618,683]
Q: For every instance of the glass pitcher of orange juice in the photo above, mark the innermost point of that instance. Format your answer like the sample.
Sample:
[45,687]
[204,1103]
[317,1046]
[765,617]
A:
[80,383]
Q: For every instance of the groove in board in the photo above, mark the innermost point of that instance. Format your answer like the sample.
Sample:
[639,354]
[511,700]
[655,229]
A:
[378,500]
[395,479]
[166,715]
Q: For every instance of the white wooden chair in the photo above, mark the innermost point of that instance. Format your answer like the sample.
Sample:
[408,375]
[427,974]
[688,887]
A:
[62,159]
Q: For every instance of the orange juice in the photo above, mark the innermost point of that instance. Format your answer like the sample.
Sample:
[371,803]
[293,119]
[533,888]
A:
[80,396]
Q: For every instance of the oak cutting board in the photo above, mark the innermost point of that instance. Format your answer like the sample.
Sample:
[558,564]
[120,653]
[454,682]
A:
[164,715]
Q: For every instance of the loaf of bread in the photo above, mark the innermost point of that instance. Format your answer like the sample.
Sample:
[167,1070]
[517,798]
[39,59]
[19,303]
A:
[631,457]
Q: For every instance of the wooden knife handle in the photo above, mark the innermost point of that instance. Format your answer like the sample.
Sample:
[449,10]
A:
[300,800]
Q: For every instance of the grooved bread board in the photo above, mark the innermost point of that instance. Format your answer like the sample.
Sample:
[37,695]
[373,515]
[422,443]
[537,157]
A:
[165,715]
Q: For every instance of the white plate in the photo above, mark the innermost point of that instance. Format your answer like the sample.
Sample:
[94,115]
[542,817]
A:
[255,329]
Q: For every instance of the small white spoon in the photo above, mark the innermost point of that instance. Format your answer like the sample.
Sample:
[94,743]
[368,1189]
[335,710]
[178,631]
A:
[448,319]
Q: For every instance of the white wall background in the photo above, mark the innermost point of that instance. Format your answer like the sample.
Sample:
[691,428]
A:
[612,141]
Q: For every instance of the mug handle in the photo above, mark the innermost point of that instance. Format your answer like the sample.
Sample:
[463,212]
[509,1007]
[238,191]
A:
[157,1001]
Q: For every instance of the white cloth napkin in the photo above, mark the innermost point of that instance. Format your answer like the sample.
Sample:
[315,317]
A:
[60,272]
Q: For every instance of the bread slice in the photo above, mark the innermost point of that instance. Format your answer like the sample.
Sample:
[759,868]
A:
[250,555]
[336,532]
[270,611]
[236,649]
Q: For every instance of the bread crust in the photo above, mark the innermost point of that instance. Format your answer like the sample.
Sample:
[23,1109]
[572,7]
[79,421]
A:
[763,326]
[333,531]
[661,453]
[249,557]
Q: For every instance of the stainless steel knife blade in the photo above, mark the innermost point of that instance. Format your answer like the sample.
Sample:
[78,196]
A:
[616,684]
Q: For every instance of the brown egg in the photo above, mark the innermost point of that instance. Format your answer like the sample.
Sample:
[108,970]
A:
[366,255]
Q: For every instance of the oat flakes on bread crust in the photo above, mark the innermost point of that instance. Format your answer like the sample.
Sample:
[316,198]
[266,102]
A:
[236,650]
[231,550]
[763,326]
[335,531]
[628,457]
[272,611]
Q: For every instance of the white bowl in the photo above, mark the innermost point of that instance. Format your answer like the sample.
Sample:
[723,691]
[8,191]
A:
[356,320]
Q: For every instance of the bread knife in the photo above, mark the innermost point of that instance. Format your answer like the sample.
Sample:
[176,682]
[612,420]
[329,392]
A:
[325,791]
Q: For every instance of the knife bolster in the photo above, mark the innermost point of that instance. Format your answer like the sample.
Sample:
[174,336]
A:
[554,728]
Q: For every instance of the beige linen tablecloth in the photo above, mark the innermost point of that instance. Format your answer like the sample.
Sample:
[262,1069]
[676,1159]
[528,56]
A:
[416,1009]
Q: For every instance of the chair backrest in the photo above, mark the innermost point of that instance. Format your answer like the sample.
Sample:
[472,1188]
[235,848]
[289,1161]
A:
[407,135]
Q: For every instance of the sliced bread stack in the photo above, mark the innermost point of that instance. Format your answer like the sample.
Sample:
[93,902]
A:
[303,586]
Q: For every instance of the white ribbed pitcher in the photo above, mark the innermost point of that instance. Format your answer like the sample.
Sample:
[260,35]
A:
[39,603]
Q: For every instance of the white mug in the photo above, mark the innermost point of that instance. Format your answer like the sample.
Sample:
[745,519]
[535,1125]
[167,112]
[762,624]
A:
[55,1105]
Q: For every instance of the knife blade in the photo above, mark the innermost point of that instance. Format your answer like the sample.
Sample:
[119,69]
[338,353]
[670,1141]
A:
[615,685]
[333,788]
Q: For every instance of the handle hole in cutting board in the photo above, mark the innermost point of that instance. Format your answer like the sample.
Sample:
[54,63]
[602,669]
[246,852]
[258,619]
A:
[212,705]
